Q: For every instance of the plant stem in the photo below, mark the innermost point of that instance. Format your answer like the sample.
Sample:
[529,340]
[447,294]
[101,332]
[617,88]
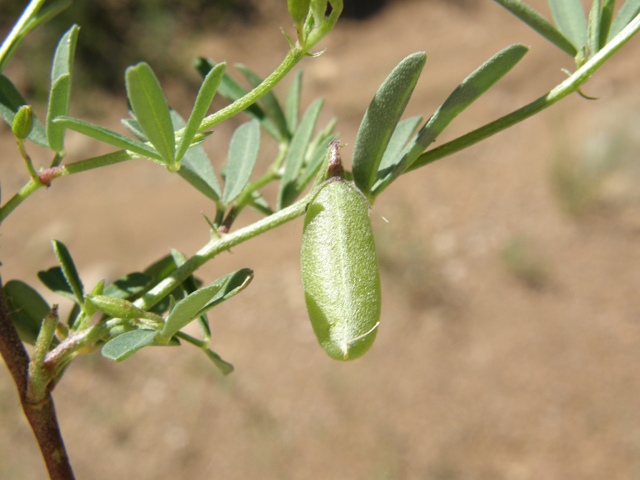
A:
[192,340]
[245,198]
[41,414]
[570,85]
[39,377]
[82,338]
[293,57]
[216,246]
[19,197]
[27,159]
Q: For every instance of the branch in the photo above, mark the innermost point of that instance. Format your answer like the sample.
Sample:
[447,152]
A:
[570,85]
[40,413]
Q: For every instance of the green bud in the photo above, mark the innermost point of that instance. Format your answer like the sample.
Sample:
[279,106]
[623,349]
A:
[298,10]
[22,122]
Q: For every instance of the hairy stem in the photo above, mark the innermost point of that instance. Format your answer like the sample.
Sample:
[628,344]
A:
[570,85]
[216,246]
[293,57]
[245,198]
[77,340]
[31,186]
[40,412]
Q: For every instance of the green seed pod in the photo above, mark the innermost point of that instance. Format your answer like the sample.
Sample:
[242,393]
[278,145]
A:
[340,270]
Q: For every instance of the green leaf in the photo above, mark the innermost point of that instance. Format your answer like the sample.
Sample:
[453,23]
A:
[296,154]
[259,204]
[128,286]
[464,95]
[133,126]
[27,309]
[570,18]
[119,308]
[89,308]
[293,102]
[628,11]
[196,167]
[60,93]
[190,285]
[536,21]
[593,27]
[268,100]
[125,345]
[200,107]
[108,136]
[54,280]
[397,145]
[203,300]
[225,367]
[160,269]
[298,10]
[187,309]
[69,270]
[74,313]
[243,153]
[232,91]
[606,15]
[381,118]
[187,287]
[151,110]
[232,284]
[10,101]
[179,258]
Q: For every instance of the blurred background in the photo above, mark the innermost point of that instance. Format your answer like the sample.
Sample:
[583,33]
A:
[510,334]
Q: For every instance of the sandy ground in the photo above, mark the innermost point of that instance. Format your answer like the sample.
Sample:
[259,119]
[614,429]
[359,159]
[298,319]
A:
[488,365]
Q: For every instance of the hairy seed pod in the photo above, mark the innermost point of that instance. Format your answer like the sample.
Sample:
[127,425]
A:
[340,270]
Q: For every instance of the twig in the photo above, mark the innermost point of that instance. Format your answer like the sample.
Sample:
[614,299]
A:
[41,413]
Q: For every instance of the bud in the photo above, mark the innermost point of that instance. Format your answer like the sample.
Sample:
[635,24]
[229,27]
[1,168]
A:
[22,122]
[119,308]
